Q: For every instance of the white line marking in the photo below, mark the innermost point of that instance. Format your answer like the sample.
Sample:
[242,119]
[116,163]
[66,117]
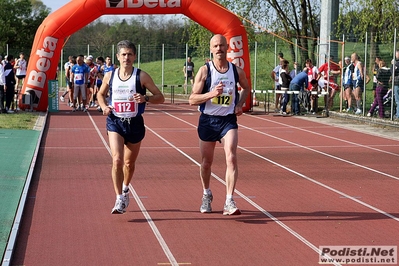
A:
[323,185]
[287,228]
[304,176]
[323,135]
[147,216]
[323,153]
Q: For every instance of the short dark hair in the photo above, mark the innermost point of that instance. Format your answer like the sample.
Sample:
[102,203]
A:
[280,54]
[126,44]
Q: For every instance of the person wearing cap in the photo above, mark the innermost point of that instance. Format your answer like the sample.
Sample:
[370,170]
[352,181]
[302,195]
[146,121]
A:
[90,82]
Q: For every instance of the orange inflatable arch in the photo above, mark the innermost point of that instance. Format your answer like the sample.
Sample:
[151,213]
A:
[51,34]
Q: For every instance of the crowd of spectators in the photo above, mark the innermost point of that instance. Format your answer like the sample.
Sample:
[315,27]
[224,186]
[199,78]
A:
[308,83]
[12,76]
[83,76]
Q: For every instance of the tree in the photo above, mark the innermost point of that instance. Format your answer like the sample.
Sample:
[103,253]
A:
[379,17]
[19,20]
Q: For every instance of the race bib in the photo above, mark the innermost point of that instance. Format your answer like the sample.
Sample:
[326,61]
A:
[222,100]
[125,107]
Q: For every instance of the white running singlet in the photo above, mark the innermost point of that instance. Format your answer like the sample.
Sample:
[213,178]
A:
[223,104]
[122,95]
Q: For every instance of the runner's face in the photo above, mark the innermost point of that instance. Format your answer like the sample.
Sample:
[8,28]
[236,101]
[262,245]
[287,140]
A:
[218,47]
[126,57]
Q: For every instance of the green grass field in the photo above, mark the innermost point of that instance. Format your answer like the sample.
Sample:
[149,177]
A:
[20,120]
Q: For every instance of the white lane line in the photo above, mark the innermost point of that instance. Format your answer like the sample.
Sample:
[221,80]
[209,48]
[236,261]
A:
[320,152]
[147,216]
[323,185]
[316,133]
[287,228]
[323,135]
[297,173]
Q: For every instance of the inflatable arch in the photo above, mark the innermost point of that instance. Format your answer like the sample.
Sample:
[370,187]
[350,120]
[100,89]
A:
[50,36]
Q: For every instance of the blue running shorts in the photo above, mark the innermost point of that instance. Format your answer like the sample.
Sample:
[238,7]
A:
[131,129]
[214,128]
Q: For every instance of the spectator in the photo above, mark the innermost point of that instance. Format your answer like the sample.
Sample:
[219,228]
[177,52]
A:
[20,66]
[314,97]
[99,75]
[383,76]
[395,70]
[90,82]
[69,84]
[107,67]
[375,70]
[327,73]
[298,84]
[10,82]
[284,80]
[357,77]
[275,76]
[348,83]
[313,72]
[80,75]
[188,70]
[294,70]
[2,84]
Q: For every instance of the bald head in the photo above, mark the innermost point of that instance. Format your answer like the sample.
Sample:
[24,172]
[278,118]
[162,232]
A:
[218,46]
[218,38]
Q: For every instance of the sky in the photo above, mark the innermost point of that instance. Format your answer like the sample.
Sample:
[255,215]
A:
[54,5]
[57,4]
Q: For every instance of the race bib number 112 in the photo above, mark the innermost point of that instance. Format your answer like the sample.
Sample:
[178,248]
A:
[223,100]
[122,107]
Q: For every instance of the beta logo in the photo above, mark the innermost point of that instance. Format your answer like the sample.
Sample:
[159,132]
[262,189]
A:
[114,3]
[153,3]
[143,3]
[237,51]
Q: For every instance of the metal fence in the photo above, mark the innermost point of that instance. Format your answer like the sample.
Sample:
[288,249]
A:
[263,58]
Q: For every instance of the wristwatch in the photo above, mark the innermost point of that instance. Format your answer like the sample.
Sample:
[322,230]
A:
[146,98]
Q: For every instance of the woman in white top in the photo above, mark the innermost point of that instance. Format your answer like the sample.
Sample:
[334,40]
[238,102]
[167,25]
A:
[20,66]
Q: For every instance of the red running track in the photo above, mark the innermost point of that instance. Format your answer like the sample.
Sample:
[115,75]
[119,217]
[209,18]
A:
[302,184]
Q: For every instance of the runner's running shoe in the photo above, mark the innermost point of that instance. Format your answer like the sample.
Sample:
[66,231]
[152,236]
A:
[119,207]
[206,203]
[125,199]
[231,209]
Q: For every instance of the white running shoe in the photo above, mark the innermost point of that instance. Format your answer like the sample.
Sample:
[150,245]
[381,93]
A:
[358,111]
[62,98]
[125,199]
[231,209]
[119,207]
[206,203]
